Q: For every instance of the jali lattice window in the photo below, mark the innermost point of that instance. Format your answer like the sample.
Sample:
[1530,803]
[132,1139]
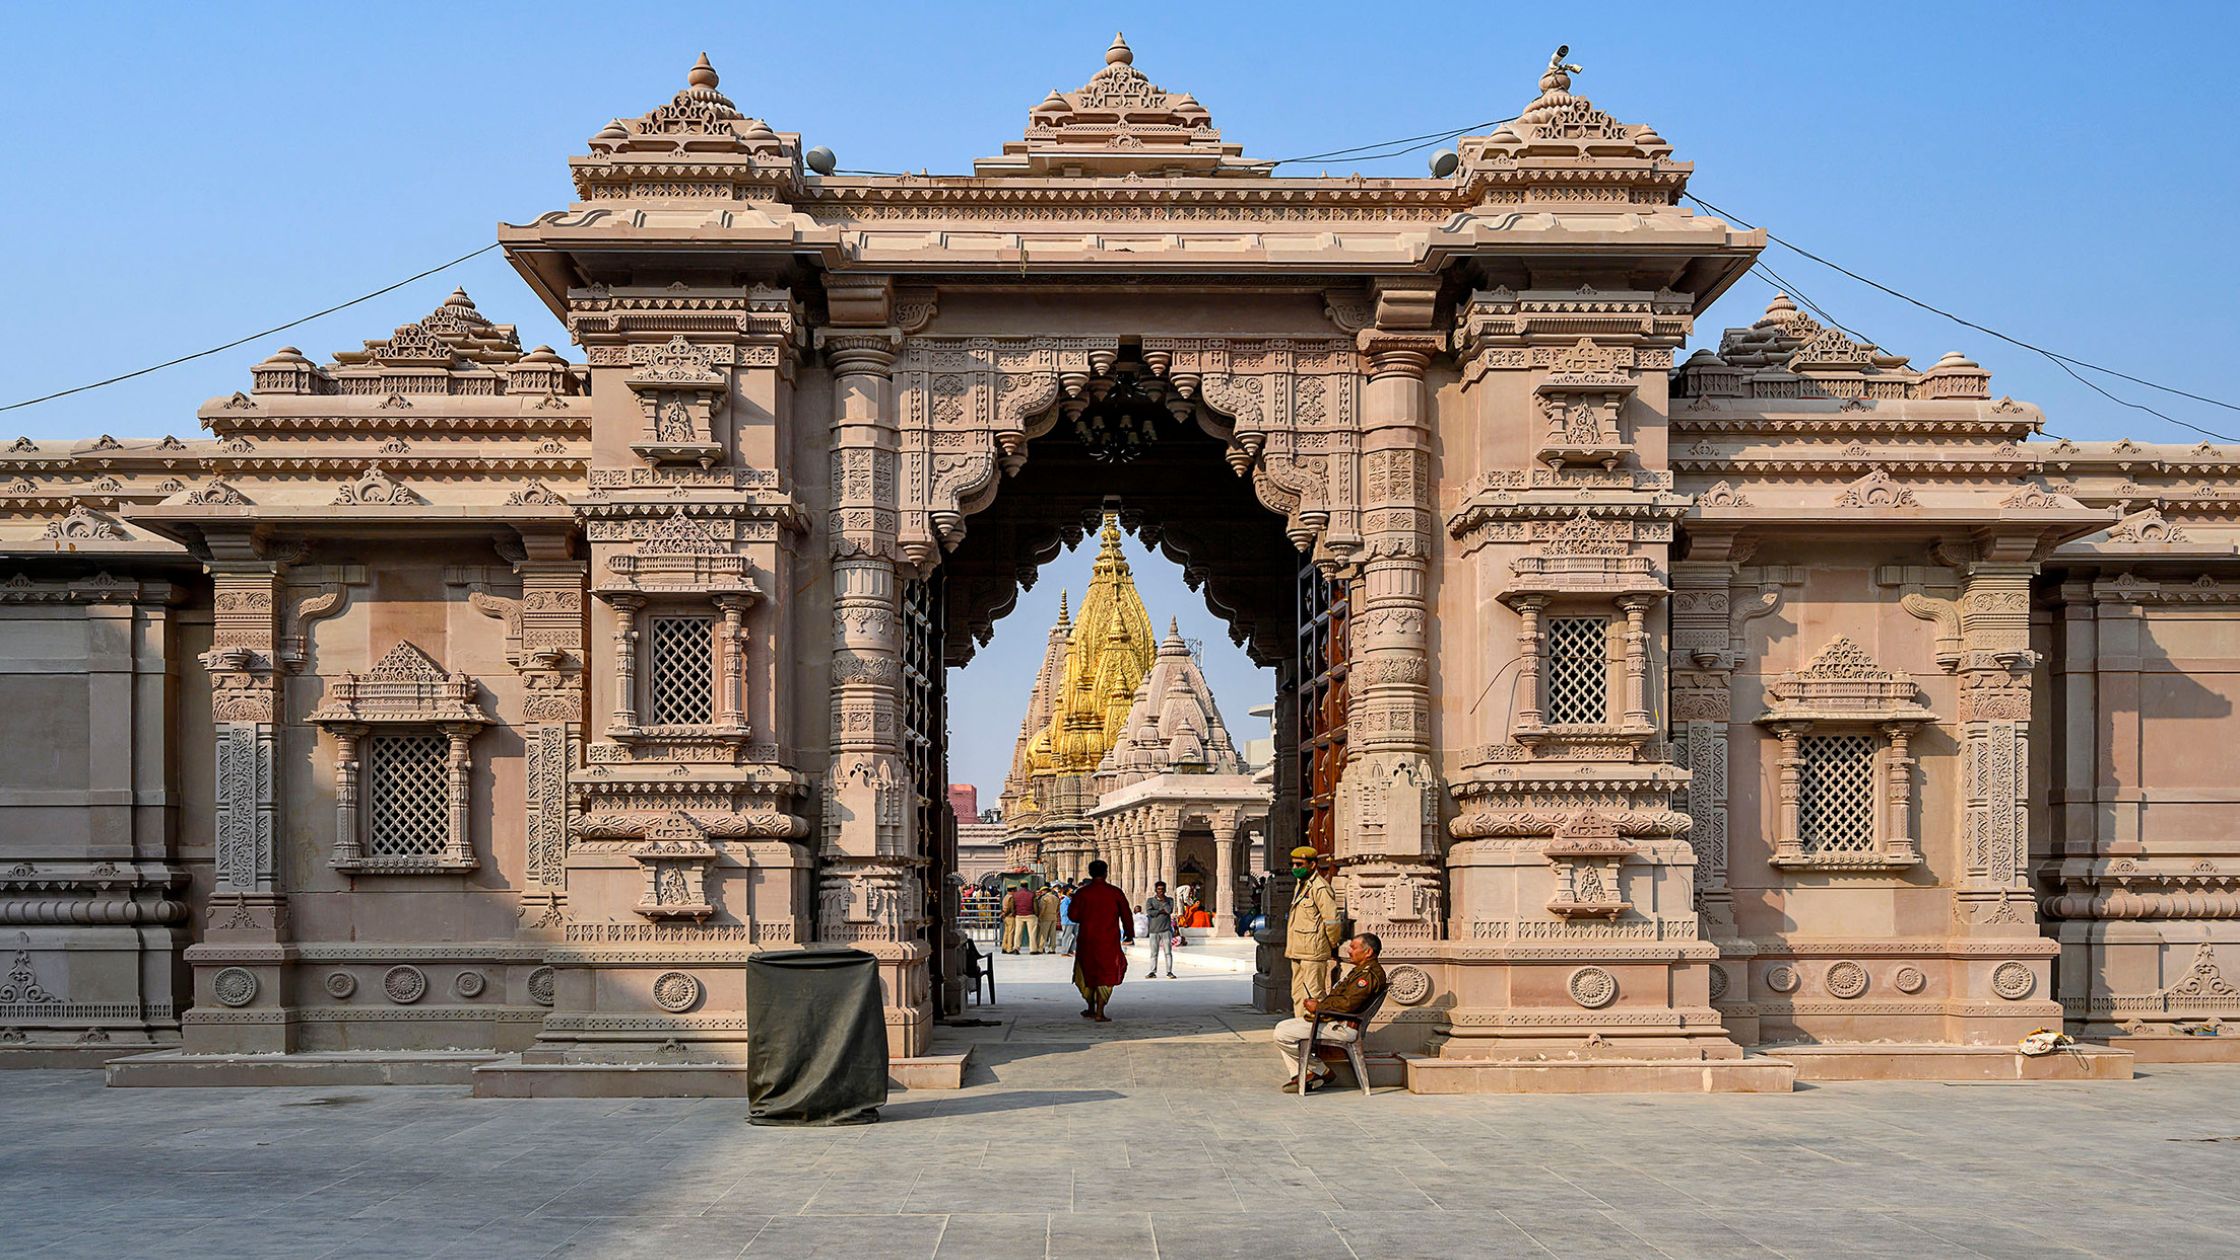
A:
[408,795]
[1578,674]
[681,671]
[1845,798]
[402,734]
[1836,795]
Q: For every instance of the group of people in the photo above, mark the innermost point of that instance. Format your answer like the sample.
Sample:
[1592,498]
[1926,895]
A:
[1034,920]
[1104,923]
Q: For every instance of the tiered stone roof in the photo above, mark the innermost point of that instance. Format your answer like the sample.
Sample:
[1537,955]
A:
[1120,123]
[1562,149]
[698,146]
[1173,724]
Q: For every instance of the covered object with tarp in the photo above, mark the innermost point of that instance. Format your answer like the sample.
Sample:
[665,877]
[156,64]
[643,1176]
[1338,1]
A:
[816,1037]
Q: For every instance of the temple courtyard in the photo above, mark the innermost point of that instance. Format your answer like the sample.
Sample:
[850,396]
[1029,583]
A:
[1160,1135]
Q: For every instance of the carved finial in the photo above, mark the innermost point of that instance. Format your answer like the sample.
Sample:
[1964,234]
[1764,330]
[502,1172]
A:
[702,74]
[1108,540]
[1174,628]
[1063,616]
[1780,309]
[1119,54]
[459,299]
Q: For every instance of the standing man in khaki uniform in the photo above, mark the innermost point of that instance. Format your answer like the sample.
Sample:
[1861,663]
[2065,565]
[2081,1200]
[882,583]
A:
[1314,930]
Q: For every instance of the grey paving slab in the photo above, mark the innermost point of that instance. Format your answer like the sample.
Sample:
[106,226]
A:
[1160,1136]
[995,1236]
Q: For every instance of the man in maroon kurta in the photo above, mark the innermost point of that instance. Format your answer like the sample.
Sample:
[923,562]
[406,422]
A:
[1106,919]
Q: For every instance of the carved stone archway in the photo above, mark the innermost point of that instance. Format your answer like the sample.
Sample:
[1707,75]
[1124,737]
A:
[1331,432]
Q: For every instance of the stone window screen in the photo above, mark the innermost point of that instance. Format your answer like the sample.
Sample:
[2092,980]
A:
[1844,726]
[681,671]
[403,733]
[408,796]
[1836,795]
[1578,674]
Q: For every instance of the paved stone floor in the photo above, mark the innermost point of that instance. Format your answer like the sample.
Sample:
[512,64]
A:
[1161,1135]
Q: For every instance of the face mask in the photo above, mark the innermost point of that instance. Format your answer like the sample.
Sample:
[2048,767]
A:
[1301,872]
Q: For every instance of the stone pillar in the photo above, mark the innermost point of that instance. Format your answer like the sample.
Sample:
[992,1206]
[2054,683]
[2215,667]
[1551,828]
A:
[347,850]
[248,915]
[1994,897]
[1995,719]
[1225,881]
[1169,840]
[1637,662]
[1388,842]
[732,652]
[1713,601]
[552,665]
[868,887]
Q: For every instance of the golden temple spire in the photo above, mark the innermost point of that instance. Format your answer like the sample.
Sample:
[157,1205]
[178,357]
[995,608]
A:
[1109,651]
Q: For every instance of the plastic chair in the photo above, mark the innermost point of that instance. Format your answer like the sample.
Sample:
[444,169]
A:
[1360,1022]
[977,972]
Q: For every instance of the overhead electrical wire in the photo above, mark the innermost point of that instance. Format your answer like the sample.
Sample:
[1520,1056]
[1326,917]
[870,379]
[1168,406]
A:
[240,341]
[1363,153]
[2059,360]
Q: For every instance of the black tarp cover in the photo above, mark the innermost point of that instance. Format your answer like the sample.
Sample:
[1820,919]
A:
[816,1037]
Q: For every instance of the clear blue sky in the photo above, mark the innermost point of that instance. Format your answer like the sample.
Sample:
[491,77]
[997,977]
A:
[185,174]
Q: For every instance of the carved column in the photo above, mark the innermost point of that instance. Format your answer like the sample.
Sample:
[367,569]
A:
[552,668]
[2010,991]
[1994,895]
[1170,839]
[248,915]
[347,849]
[626,660]
[1637,661]
[1788,848]
[461,773]
[1225,880]
[871,865]
[731,643]
[1388,793]
[1531,719]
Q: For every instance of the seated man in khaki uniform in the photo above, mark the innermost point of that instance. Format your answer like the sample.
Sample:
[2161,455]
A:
[1354,990]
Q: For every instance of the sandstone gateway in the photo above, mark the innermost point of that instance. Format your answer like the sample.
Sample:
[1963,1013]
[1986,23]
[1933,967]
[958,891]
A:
[1792,709]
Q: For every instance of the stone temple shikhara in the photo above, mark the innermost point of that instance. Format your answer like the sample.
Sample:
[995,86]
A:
[1123,756]
[1680,721]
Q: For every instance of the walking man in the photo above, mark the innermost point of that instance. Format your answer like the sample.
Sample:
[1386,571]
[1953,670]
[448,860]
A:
[1105,920]
[1313,931]
[1355,990]
[1158,925]
[1046,920]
